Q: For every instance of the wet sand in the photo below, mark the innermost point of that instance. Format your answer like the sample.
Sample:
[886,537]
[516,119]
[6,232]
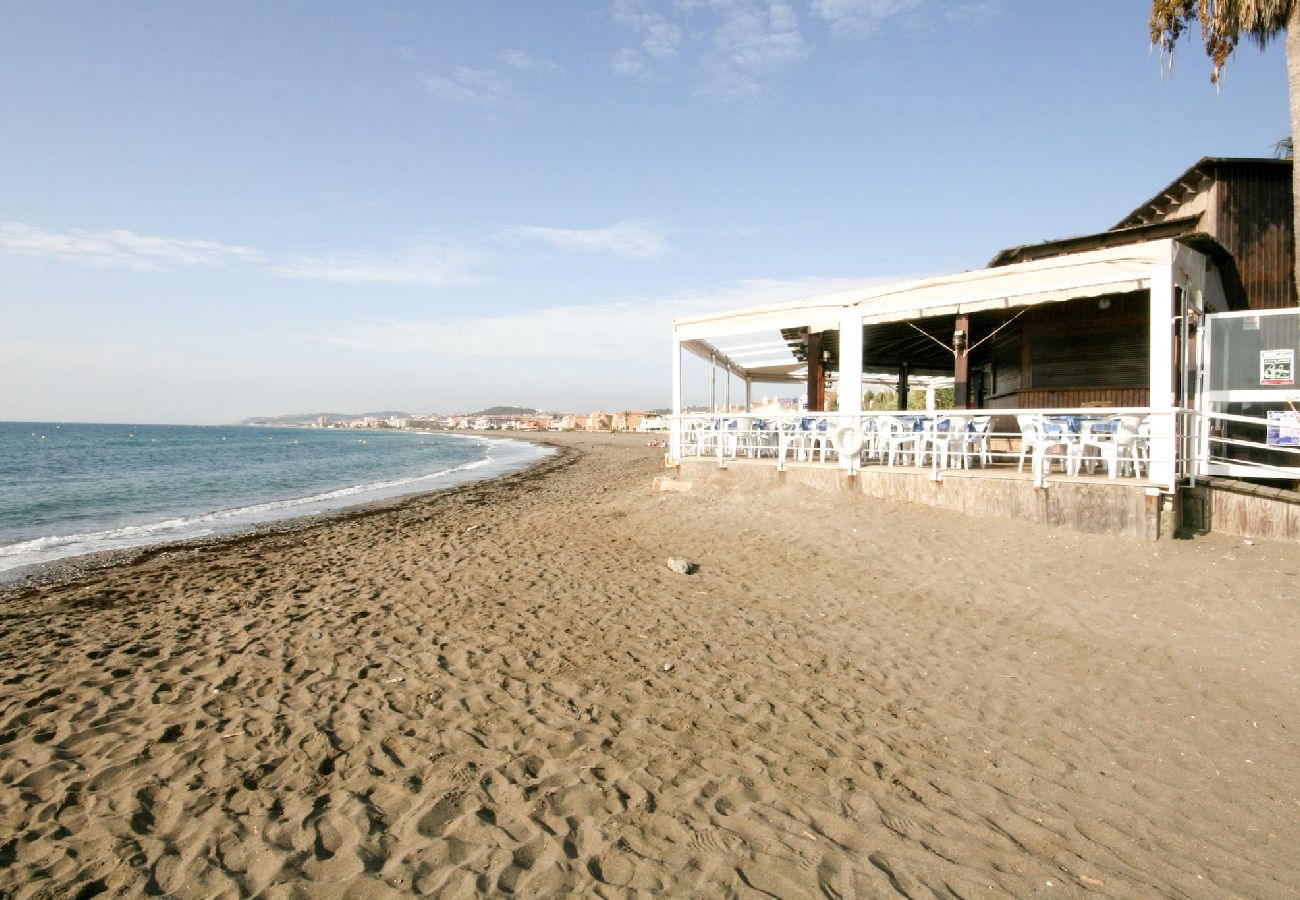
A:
[503,689]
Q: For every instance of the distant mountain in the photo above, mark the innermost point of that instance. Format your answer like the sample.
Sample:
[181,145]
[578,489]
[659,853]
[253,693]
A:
[309,418]
[506,411]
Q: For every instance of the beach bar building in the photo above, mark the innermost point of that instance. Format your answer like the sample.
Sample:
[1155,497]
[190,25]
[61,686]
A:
[1081,369]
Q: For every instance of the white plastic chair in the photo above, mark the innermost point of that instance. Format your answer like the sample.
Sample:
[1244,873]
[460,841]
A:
[1097,441]
[898,438]
[870,439]
[741,434]
[948,434]
[804,437]
[698,435]
[1142,446]
[1039,439]
[1117,442]
[819,438]
[1131,442]
[764,437]
[980,426]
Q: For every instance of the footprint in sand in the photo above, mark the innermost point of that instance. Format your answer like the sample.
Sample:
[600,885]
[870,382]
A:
[449,808]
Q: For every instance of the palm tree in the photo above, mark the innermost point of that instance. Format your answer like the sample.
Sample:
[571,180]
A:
[1223,22]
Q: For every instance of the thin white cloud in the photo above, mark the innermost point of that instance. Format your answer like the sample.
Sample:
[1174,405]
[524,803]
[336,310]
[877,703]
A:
[632,238]
[635,329]
[858,17]
[970,13]
[349,203]
[118,248]
[736,49]
[631,64]
[485,88]
[659,41]
[861,18]
[740,44]
[427,263]
[751,42]
[526,62]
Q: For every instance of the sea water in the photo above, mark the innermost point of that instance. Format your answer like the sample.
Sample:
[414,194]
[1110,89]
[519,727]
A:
[68,489]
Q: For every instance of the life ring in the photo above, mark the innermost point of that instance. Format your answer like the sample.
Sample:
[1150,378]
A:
[848,440]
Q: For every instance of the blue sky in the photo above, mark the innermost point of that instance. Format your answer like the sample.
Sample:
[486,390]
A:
[216,210]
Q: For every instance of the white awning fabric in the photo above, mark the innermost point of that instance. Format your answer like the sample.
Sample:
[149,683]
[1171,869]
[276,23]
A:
[1071,277]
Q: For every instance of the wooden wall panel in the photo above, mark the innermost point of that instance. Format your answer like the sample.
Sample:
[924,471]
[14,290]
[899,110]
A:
[1081,344]
[1253,516]
[1072,398]
[1253,222]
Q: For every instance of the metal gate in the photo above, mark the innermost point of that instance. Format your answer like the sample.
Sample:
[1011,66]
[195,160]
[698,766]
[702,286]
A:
[1247,407]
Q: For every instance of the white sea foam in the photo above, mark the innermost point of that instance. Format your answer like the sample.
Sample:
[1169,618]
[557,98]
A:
[502,456]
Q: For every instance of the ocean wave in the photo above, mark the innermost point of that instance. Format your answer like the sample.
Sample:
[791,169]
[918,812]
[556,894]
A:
[52,547]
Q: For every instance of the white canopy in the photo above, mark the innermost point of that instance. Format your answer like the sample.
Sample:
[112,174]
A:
[749,343]
[1075,276]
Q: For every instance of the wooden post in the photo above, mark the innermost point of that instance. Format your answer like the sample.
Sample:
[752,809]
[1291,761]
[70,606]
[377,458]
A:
[961,363]
[816,373]
[902,387]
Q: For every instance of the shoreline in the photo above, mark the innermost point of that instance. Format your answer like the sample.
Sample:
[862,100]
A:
[58,571]
[65,571]
[503,688]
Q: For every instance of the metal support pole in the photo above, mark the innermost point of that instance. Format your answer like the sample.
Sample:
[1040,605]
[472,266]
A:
[713,384]
[675,435]
[851,358]
[1163,440]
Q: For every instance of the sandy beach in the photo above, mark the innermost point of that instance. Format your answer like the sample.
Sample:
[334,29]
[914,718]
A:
[503,689]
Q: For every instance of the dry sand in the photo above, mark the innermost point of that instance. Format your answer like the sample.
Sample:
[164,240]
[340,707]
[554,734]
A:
[504,689]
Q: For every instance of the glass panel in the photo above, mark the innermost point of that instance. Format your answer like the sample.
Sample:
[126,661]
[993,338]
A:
[1254,353]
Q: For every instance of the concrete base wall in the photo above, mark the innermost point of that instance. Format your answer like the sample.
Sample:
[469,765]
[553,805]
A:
[1094,507]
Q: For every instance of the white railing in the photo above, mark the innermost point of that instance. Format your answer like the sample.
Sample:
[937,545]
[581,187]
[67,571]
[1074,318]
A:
[1123,442]
[1210,451]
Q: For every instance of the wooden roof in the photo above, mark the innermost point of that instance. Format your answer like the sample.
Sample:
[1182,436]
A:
[1195,179]
[1115,237]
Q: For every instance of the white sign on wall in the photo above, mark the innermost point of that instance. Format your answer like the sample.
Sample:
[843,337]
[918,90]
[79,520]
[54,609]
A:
[1277,366]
